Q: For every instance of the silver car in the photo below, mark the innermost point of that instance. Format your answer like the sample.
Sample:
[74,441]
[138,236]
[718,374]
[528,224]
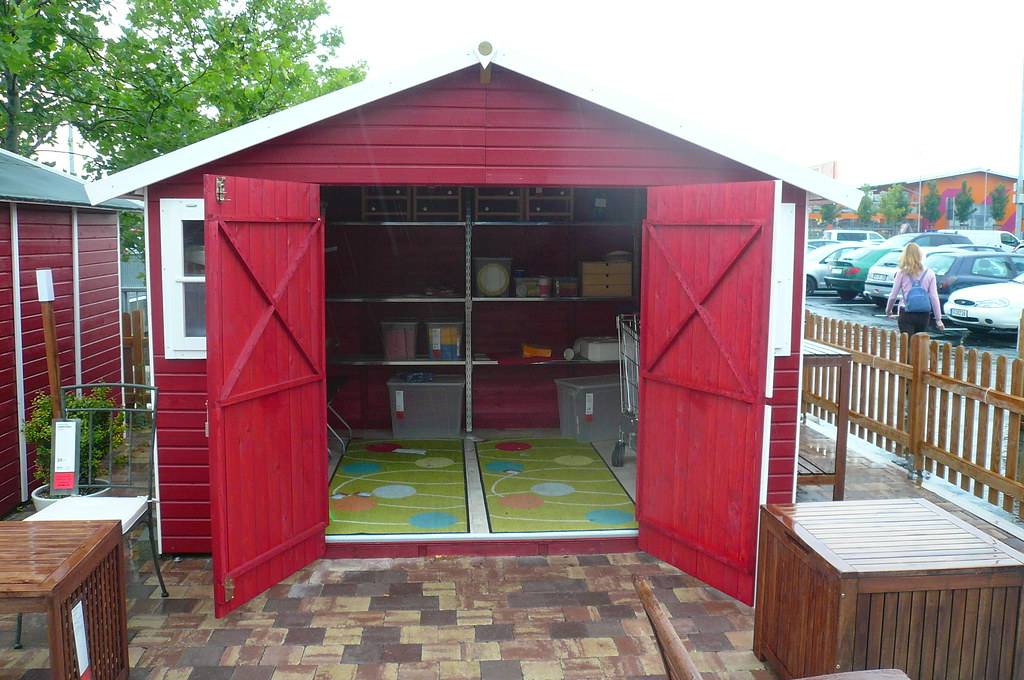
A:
[817,262]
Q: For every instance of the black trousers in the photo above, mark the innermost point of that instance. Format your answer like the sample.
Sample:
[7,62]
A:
[913,322]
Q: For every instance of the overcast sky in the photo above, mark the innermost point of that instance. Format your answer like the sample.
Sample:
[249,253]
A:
[888,89]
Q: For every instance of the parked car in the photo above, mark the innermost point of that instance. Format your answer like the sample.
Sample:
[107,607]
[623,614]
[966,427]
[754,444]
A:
[818,261]
[815,243]
[992,307]
[847,274]
[926,239]
[998,238]
[958,269]
[850,235]
[880,277]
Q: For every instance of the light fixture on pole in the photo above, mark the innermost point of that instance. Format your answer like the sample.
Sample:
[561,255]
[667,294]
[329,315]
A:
[44,286]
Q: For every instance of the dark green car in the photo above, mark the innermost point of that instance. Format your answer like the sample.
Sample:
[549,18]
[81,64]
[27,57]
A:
[847,276]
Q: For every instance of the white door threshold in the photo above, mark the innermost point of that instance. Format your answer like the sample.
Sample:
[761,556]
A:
[480,536]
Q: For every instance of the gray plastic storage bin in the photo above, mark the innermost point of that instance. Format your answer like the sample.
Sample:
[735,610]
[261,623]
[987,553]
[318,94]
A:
[427,410]
[589,409]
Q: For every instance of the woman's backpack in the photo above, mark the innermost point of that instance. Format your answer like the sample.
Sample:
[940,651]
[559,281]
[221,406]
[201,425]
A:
[916,299]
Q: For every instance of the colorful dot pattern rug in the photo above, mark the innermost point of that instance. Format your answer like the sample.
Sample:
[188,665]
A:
[379,490]
[551,485]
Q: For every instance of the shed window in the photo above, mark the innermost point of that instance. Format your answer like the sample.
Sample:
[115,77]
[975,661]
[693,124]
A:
[183,257]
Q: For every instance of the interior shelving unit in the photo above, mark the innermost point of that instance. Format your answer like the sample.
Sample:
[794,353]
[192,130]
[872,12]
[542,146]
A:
[395,209]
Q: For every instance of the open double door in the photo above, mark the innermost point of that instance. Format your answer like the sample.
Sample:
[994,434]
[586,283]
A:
[707,253]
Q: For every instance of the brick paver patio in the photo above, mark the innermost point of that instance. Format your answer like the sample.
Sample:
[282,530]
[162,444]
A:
[528,617]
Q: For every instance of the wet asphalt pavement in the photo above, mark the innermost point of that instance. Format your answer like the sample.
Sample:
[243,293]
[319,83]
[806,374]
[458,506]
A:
[826,303]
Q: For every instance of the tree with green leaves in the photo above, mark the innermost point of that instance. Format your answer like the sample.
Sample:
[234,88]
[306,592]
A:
[184,70]
[894,204]
[866,208]
[931,204]
[829,213]
[963,204]
[49,53]
[999,201]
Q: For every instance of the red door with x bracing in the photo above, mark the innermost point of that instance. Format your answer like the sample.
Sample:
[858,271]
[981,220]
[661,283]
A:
[707,253]
[265,382]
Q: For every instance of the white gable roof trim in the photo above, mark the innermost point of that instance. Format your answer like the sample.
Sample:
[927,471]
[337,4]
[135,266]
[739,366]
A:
[373,89]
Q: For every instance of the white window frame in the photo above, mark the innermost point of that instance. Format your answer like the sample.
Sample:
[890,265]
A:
[174,211]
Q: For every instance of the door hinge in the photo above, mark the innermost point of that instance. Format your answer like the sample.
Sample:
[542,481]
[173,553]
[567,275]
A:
[222,190]
[229,589]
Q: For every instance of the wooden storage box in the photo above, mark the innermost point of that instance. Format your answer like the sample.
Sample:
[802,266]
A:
[902,584]
[606,279]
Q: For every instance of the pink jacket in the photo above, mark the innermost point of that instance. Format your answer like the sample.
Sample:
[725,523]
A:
[901,286]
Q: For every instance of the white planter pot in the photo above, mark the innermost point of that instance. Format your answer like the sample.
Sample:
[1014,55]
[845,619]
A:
[40,501]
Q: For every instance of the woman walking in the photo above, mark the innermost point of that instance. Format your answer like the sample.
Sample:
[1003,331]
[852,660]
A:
[919,295]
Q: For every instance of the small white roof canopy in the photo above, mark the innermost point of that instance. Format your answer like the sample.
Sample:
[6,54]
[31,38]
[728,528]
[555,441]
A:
[373,89]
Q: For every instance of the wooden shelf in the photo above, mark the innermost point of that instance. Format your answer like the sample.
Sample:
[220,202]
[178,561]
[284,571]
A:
[553,299]
[542,223]
[391,223]
[478,360]
[417,299]
[547,362]
[378,360]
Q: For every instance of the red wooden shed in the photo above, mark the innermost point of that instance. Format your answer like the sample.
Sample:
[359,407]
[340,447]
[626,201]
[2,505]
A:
[293,224]
[47,222]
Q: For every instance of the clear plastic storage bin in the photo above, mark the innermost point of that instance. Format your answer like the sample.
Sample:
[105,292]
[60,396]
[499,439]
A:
[427,410]
[399,339]
[589,408]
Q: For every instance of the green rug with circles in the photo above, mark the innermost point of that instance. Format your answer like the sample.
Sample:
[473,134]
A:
[379,489]
[551,485]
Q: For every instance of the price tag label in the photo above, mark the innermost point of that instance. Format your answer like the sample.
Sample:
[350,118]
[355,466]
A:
[399,404]
[588,407]
[64,472]
[81,641]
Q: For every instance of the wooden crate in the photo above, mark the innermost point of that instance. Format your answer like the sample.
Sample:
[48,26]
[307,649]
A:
[52,566]
[902,584]
[384,204]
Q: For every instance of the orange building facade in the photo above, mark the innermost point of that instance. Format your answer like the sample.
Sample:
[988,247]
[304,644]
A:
[981,183]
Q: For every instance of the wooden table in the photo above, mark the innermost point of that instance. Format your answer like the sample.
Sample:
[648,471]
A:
[861,585]
[50,567]
[817,355]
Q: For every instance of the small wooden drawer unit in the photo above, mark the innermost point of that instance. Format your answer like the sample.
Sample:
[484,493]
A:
[606,279]
[858,585]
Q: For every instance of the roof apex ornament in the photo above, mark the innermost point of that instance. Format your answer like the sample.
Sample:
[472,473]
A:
[485,53]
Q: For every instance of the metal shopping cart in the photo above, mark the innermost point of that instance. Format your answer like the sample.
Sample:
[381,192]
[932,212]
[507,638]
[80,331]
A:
[629,385]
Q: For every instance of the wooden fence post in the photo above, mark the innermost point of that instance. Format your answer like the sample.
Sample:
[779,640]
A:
[1020,336]
[919,365]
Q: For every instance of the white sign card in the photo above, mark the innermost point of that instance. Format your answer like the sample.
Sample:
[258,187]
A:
[81,640]
[64,472]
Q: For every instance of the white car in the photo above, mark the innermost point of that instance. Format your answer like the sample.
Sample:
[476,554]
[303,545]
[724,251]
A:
[818,261]
[998,238]
[851,235]
[992,307]
[878,284]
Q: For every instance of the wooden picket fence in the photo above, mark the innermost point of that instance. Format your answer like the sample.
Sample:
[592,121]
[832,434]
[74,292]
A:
[952,412]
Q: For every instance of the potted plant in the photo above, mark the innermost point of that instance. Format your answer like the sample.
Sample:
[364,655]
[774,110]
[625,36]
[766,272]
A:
[106,432]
